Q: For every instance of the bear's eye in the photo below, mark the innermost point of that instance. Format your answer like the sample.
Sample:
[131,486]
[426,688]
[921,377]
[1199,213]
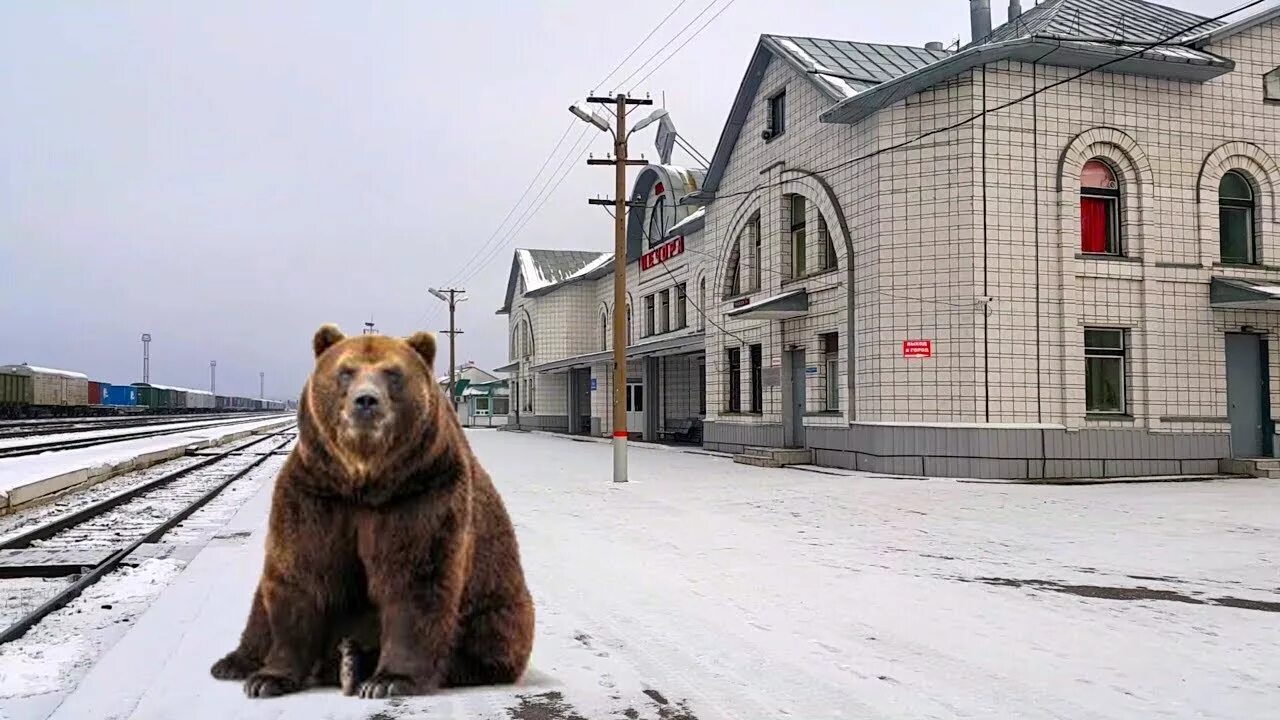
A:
[345,375]
[394,377]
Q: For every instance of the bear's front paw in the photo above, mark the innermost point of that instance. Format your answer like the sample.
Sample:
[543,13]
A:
[384,684]
[265,685]
[234,667]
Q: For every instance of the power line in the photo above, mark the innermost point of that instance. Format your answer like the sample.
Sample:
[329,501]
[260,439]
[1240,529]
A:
[639,45]
[658,52]
[1005,105]
[686,42]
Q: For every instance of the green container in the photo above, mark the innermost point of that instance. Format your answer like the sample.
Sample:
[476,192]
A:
[15,389]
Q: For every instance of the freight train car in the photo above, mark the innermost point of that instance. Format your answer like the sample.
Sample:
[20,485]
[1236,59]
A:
[119,396]
[49,391]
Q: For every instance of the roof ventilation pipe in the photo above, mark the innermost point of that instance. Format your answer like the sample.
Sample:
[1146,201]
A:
[980,19]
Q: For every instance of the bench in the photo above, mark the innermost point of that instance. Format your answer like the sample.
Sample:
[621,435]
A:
[685,430]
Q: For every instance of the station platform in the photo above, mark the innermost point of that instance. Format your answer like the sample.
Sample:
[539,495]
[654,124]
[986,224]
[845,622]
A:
[34,478]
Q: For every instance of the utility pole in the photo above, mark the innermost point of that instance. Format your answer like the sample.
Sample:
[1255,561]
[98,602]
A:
[369,328]
[620,204]
[453,296]
[146,357]
[213,377]
[262,385]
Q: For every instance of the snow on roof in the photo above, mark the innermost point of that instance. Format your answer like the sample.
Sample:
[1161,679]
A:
[25,369]
[689,221]
[592,266]
[189,391]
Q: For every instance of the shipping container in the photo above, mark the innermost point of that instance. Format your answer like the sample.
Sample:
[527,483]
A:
[120,395]
[198,400]
[15,393]
[54,388]
[95,392]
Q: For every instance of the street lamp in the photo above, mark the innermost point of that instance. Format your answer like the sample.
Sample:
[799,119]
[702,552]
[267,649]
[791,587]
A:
[453,296]
[146,357]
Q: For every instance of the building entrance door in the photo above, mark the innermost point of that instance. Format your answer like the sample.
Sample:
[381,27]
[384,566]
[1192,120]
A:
[1248,397]
[635,406]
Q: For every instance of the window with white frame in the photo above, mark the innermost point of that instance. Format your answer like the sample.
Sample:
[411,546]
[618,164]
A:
[1105,380]
[1271,86]
[1236,211]
[682,305]
[777,115]
[481,405]
[750,239]
[649,326]
[1099,209]
[664,311]
[604,330]
[830,371]
[797,206]
[733,374]
[501,405]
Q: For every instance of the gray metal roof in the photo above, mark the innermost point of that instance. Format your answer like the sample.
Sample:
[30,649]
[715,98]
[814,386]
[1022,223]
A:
[842,68]
[540,268]
[1103,19]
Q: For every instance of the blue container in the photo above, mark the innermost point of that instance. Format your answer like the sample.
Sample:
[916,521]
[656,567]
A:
[119,395]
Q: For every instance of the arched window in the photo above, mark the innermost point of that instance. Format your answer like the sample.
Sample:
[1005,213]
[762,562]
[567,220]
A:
[658,220]
[604,330]
[1236,233]
[826,243]
[1099,209]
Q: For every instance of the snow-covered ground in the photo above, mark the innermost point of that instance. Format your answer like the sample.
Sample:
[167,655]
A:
[705,589]
[21,471]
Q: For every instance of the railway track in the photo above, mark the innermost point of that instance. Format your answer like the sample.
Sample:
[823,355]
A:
[77,443]
[31,429]
[90,542]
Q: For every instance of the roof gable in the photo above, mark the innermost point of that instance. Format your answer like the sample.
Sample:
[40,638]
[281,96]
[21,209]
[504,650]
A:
[533,270]
[839,69]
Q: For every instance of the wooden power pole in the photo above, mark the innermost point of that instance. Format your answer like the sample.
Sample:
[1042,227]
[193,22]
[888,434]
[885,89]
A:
[453,296]
[620,204]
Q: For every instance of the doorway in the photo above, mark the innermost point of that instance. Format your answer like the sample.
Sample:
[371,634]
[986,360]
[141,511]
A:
[1248,395]
[635,406]
[795,402]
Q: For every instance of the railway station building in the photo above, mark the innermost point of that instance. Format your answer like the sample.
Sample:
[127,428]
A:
[960,261]
[560,309]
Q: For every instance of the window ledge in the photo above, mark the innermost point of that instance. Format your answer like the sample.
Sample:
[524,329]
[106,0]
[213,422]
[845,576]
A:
[1246,265]
[730,413]
[1109,417]
[824,413]
[1109,258]
[810,276]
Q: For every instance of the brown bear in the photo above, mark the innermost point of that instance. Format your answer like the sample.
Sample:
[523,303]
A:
[390,556]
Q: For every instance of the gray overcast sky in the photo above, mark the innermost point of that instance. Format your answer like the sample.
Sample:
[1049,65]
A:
[228,176]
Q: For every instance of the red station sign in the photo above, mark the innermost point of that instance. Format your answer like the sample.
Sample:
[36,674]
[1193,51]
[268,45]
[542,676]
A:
[917,348]
[662,253]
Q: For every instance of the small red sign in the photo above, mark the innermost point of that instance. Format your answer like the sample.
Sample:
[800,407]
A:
[662,253]
[740,302]
[917,348]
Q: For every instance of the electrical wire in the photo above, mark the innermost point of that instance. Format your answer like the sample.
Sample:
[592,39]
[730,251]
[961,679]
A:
[639,45]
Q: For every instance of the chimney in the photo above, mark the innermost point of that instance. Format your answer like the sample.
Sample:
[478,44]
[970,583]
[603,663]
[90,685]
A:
[979,19]
[1015,10]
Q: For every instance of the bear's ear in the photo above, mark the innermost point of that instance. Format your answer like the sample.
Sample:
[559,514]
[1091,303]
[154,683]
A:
[424,343]
[326,337]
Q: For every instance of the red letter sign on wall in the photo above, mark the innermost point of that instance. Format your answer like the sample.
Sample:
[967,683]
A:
[662,253]
[917,348]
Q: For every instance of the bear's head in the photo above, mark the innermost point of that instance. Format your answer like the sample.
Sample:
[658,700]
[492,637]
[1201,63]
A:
[371,395]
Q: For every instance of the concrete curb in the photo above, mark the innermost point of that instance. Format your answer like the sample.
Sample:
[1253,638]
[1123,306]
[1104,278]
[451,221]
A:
[49,488]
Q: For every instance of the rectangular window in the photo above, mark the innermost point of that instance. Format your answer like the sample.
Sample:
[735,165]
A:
[797,206]
[501,406]
[1104,370]
[753,238]
[1271,86]
[664,311]
[757,378]
[482,406]
[649,327]
[827,244]
[1099,225]
[682,304]
[777,115]
[831,370]
[734,371]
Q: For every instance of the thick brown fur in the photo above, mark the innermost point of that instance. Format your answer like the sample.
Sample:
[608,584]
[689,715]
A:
[389,552]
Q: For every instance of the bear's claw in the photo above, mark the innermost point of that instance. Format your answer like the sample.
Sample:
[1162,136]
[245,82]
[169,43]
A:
[264,685]
[383,685]
[234,666]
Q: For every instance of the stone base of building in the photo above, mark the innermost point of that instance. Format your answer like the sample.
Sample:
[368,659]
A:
[990,452]
[546,423]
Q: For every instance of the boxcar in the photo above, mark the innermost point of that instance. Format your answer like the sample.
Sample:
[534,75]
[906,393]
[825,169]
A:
[198,400]
[55,389]
[151,396]
[95,392]
[119,395]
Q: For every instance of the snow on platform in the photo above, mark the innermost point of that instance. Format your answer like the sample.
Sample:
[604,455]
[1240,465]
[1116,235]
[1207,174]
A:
[706,590]
[31,477]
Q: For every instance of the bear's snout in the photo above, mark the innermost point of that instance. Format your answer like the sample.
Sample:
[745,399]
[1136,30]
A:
[368,403]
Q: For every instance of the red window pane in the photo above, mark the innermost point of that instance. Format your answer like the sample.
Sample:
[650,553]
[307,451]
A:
[1094,224]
